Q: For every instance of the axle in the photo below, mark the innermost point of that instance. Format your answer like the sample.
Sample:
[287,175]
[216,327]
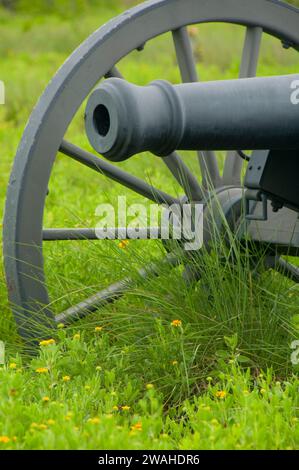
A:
[253,113]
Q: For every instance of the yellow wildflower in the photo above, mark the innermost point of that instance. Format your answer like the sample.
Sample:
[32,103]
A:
[221,394]
[94,420]
[174,363]
[45,399]
[4,439]
[76,336]
[42,370]
[47,342]
[123,244]
[137,426]
[43,426]
[66,378]
[115,408]
[176,323]
[12,365]
[98,329]
[125,408]
[149,386]
[51,422]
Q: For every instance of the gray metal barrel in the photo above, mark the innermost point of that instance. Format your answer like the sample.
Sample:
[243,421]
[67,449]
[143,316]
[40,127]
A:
[254,113]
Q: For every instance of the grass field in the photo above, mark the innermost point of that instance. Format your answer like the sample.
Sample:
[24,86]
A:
[128,377]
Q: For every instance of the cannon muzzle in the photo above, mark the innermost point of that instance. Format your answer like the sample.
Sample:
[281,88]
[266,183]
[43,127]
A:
[123,119]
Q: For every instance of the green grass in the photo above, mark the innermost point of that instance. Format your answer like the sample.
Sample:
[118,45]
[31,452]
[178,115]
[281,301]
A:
[236,328]
[100,406]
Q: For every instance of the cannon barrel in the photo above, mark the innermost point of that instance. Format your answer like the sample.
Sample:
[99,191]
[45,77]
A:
[123,119]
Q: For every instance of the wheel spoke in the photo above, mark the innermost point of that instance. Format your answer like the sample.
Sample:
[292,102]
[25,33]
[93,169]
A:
[114,72]
[250,56]
[251,52]
[184,176]
[184,54]
[114,173]
[183,48]
[113,292]
[113,233]
[54,234]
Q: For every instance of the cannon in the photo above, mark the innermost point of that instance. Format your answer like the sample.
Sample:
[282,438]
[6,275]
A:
[123,120]
[258,114]
[255,113]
